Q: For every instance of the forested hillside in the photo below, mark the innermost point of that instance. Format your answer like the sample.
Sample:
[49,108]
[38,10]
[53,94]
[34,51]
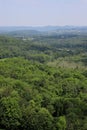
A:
[43,82]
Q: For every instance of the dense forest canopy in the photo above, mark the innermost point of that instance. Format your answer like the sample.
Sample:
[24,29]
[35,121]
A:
[43,81]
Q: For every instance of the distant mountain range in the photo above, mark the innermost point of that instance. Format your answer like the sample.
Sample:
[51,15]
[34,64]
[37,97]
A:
[40,30]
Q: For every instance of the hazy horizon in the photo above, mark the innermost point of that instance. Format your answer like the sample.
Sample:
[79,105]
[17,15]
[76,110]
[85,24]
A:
[43,13]
[43,26]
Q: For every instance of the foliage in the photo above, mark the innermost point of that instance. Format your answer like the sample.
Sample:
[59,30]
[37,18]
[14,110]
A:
[35,92]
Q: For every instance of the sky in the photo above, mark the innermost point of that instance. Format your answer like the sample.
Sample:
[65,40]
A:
[43,12]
